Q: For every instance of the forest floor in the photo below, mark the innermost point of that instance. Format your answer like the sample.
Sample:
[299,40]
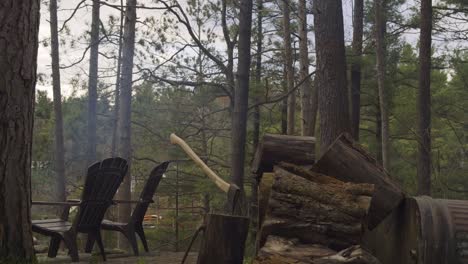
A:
[144,258]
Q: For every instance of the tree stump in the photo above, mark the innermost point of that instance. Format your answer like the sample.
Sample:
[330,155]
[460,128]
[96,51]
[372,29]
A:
[346,160]
[223,239]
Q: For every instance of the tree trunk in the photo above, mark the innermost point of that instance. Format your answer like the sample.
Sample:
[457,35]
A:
[378,131]
[126,104]
[284,104]
[92,83]
[239,115]
[256,114]
[380,25]
[288,60]
[348,161]
[59,147]
[424,100]
[331,70]
[258,75]
[358,24]
[115,131]
[308,115]
[18,62]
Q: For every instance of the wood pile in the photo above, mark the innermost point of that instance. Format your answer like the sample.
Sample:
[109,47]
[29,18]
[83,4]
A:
[317,213]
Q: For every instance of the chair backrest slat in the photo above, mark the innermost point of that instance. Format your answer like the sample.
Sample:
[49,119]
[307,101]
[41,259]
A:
[148,191]
[102,181]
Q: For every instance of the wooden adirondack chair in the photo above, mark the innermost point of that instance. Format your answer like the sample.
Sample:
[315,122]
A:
[102,181]
[135,224]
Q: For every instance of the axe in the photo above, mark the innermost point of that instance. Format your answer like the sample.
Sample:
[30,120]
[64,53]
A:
[232,191]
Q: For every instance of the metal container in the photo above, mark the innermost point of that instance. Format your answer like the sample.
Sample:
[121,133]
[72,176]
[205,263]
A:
[422,230]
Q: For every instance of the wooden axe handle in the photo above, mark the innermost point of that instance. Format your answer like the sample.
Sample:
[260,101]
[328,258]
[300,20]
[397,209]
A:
[211,174]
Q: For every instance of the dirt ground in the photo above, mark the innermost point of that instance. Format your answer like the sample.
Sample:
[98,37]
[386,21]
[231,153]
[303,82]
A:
[151,257]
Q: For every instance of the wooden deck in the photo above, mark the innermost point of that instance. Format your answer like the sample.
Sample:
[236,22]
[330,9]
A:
[151,257]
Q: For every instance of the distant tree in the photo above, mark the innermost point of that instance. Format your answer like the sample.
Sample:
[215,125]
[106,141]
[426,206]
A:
[289,67]
[309,108]
[18,63]
[115,123]
[93,83]
[258,74]
[424,100]
[59,162]
[358,24]
[380,29]
[331,71]
[125,150]
[241,95]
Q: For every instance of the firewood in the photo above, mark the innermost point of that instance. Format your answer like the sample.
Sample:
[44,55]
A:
[273,149]
[316,209]
[346,160]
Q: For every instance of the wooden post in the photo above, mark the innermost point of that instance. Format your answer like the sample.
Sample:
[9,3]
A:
[223,240]
[346,160]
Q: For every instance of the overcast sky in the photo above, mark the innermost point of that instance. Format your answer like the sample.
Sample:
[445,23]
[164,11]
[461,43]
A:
[80,23]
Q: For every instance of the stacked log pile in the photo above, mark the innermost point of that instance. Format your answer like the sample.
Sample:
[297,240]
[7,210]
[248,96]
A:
[318,213]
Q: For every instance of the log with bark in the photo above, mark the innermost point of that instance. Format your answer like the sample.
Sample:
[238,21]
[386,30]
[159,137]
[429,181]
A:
[315,208]
[278,250]
[273,149]
[346,160]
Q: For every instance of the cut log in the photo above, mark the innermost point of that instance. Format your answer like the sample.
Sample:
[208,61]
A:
[278,250]
[223,239]
[317,209]
[346,160]
[272,149]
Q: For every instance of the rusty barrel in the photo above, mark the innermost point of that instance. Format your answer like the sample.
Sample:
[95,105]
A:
[422,230]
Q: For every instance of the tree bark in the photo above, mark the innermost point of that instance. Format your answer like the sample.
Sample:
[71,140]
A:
[126,104]
[92,83]
[331,71]
[380,29]
[348,161]
[288,60]
[239,115]
[424,100]
[358,24]
[308,115]
[59,146]
[115,131]
[18,62]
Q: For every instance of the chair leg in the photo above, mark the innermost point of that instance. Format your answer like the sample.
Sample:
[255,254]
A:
[141,233]
[70,242]
[100,244]
[130,234]
[90,243]
[54,246]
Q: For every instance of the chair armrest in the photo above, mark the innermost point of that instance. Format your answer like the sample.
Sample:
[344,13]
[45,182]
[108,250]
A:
[66,206]
[125,201]
[132,201]
[69,203]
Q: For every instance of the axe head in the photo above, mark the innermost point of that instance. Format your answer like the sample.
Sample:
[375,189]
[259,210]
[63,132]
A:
[233,204]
